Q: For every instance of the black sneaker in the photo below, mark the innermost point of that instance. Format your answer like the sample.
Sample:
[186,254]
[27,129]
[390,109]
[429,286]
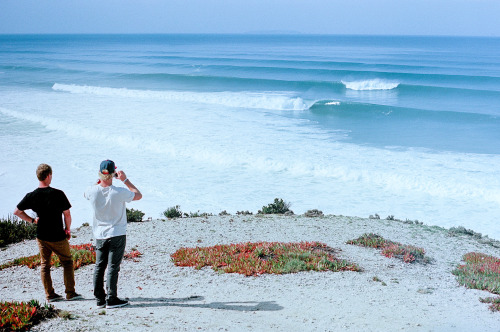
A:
[74,297]
[55,298]
[115,303]
[101,303]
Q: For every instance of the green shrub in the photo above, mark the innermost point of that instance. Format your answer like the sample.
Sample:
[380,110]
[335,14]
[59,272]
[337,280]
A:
[244,213]
[198,214]
[13,230]
[173,212]
[313,213]
[134,215]
[278,207]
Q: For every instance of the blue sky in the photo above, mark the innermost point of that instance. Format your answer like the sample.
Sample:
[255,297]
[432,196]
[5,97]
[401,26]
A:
[387,17]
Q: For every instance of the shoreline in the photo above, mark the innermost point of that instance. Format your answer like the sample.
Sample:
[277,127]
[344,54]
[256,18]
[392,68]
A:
[415,297]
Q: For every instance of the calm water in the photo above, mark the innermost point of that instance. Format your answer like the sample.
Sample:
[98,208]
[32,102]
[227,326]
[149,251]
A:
[352,125]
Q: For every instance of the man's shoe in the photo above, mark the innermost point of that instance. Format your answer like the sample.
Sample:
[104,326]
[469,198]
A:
[101,303]
[74,297]
[115,303]
[55,298]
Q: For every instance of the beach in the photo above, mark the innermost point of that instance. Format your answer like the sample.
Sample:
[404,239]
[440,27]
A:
[387,295]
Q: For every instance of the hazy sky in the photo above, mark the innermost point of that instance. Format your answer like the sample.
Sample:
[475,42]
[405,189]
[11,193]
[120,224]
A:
[401,17]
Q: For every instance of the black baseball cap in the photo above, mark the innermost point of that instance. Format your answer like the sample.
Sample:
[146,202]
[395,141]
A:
[107,167]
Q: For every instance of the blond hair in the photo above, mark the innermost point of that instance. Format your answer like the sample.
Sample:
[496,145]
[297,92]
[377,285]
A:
[105,177]
[42,171]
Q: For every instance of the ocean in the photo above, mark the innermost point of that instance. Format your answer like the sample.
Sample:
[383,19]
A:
[351,125]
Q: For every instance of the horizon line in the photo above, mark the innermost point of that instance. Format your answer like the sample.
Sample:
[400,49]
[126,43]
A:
[256,33]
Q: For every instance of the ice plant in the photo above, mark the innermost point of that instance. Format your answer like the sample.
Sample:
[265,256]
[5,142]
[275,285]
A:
[22,315]
[482,272]
[253,259]
[133,255]
[407,253]
[83,254]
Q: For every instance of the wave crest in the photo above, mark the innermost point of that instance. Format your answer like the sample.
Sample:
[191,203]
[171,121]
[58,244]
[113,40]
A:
[263,100]
[366,85]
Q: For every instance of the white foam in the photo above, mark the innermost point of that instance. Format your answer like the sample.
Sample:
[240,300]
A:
[374,84]
[270,156]
[397,177]
[333,103]
[260,100]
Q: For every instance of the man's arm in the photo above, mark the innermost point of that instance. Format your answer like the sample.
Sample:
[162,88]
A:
[21,214]
[67,223]
[133,189]
[123,177]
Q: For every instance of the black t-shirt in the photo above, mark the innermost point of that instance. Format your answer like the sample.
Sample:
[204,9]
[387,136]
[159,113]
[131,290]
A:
[48,203]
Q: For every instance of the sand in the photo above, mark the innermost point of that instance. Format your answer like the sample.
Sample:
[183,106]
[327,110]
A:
[408,297]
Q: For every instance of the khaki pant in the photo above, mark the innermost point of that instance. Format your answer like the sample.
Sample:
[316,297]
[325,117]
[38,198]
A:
[61,249]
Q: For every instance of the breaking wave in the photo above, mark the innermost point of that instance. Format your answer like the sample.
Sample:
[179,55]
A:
[367,85]
[262,100]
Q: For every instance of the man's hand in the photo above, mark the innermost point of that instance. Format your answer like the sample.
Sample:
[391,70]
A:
[21,214]
[68,234]
[121,175]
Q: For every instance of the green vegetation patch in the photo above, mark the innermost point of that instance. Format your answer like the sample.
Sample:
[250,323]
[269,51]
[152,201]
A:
[482,272]
[134,215]
[21,316]
[83,254]
[173,212]
[253,259]
[408,253]
[277,207]
[13,230]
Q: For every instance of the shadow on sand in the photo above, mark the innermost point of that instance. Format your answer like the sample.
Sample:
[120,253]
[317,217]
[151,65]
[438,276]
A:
[142,302]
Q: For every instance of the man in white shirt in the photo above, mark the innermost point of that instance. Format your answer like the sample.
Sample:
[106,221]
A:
[110,228]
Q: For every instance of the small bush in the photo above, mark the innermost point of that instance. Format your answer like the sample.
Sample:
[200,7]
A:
[278,207]
[244,213]
[134,215]
[376,216]
[198,214]
[173,212]
[65,315]
[460,230]
[13,230]
[224,213]
[313,213]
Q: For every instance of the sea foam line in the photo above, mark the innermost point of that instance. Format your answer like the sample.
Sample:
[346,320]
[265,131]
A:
[261,100]
[367,85]
[388,179]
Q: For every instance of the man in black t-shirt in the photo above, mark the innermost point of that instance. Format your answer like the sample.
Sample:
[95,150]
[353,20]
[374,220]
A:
[51,205]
